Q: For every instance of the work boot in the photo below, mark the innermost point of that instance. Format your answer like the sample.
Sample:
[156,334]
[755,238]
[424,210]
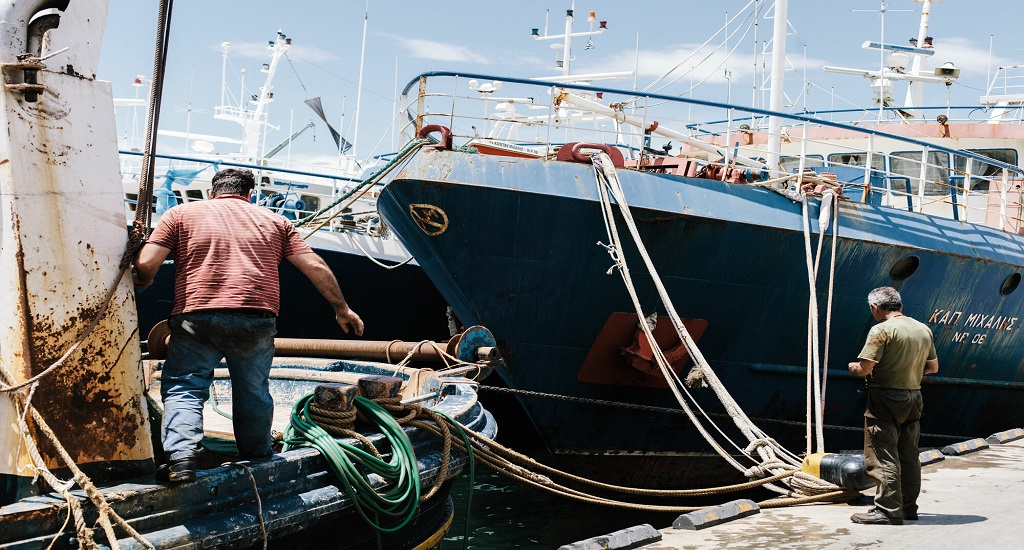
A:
[182,470]
[875,516]
[911,516]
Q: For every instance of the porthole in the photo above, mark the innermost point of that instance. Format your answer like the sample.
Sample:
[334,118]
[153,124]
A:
[1010,284]
[904,268]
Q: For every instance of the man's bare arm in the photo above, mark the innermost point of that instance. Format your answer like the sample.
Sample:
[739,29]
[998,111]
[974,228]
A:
[862,368]
[316,270]
[931,366]
[151,257]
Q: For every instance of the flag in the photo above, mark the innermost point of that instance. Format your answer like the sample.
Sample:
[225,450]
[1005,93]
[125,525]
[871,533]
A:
[318,108]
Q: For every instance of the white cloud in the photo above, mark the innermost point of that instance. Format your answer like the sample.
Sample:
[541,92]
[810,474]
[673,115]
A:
[708,65]
[969,57]
[259,51]
[439,51]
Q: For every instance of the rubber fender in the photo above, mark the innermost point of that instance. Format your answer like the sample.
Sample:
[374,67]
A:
[844,470]
[964,447]
[1005,437]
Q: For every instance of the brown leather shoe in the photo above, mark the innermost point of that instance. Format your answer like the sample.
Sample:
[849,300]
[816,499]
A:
[875,516]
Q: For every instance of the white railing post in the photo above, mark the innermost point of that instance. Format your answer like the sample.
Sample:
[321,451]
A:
[728,142]
[867,168]
[1002,198]
[967,188]
[921,182]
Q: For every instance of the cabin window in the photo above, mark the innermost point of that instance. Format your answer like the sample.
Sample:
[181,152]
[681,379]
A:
[131,199]
[811,162]
[857,159]
[194,194]
[982,172]
[908,165]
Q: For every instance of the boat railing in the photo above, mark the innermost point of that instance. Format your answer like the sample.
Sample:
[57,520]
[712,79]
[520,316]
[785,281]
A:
[290,191]
[912,166]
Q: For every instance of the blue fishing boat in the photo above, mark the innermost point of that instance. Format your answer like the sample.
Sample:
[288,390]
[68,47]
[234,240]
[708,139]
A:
[765,233]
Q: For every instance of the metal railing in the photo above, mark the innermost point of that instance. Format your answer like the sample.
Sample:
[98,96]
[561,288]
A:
[910,169]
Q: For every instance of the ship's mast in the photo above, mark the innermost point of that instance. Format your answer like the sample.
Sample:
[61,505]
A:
[915,91]
[253,121]
[565,48]
[777,93]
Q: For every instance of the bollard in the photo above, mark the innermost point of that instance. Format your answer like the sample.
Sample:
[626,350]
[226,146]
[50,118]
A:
[377,386]
[335,397]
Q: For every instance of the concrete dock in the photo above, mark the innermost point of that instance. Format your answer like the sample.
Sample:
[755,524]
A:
[974,500]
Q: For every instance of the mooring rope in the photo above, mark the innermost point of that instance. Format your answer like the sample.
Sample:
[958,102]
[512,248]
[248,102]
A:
[608,187]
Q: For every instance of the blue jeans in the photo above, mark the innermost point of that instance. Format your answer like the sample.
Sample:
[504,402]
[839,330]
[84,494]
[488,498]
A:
[199,340]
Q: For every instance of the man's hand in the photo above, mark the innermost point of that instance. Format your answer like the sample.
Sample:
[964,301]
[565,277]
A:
[347,318]
[139,282]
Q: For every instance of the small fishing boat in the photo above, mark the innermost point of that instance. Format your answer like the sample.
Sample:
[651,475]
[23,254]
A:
[240,504]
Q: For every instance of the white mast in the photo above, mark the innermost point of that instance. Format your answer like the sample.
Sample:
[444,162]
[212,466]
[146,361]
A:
[253,121]
[224,47]
[359,92]
[566,46]
[915,91]
[777,94]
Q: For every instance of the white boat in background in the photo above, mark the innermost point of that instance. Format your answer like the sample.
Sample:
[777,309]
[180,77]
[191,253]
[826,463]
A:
[382,281]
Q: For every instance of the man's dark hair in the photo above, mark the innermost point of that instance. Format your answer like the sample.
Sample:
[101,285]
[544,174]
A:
[886,298]
[233,182]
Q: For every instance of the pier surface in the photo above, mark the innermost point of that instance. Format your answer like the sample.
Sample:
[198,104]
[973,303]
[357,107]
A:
[974,499]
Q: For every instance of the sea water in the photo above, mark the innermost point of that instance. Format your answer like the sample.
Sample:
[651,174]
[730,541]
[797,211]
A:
[507,514]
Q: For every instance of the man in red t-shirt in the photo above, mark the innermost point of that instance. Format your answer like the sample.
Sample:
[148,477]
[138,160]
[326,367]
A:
[226,298]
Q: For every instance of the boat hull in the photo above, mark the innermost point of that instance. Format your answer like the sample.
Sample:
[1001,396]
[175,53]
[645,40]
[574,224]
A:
[296,489]
[519,254]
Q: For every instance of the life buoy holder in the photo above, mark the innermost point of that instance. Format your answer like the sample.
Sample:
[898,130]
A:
[573,152]
[446,135]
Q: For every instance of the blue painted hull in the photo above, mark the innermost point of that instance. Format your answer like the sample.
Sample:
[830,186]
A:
[519,255]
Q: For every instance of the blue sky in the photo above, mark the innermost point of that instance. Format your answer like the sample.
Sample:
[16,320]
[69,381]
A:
[493,38]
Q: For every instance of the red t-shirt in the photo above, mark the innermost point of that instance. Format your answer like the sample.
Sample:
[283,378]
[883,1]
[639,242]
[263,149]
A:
[226,252]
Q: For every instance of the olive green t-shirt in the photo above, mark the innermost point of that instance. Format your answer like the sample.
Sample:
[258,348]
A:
[900,346]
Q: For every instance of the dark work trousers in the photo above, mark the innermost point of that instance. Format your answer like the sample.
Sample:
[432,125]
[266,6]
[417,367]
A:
[892,427]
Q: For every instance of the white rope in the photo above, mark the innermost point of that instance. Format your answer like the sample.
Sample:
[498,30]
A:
[378,262]
[615,251]
[828,310]
[768,453]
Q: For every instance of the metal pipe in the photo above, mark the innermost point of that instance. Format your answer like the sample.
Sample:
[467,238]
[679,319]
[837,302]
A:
[357,349]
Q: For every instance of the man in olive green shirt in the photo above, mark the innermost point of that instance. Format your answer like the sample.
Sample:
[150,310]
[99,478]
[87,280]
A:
[898,352]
